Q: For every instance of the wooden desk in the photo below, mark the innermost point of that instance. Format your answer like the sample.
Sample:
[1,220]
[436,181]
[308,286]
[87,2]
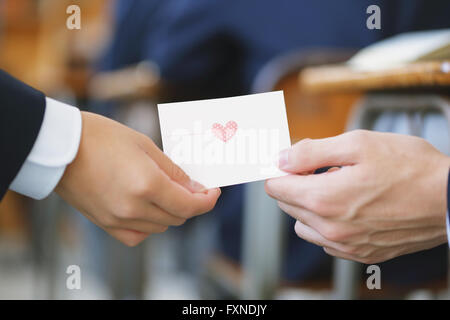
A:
[341,78]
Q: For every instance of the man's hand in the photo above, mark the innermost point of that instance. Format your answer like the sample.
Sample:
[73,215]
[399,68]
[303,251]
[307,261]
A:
[388,198]
[122,182]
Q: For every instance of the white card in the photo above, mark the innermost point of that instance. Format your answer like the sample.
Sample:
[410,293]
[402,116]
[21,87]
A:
[226,141]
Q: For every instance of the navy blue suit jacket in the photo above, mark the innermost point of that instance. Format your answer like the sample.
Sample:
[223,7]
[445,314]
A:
[21,114]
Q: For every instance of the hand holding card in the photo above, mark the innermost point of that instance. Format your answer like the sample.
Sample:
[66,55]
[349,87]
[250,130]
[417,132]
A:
[221,142]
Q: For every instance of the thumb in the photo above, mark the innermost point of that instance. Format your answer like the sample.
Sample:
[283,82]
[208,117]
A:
[308,155]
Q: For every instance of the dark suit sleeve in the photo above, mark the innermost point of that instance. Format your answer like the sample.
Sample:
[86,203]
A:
[21,114]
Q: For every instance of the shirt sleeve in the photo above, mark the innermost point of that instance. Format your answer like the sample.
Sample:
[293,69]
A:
[56,146]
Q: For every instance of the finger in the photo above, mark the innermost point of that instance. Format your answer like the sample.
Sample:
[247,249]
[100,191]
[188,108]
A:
[142,227]
[305,216]
[128,237]
[311,235]
[177,200]
[332,248]
[366,259]
[131,234]
[146,212]
[308,154]
[341,255]
[330,229]
[321,194]
[382,254]
[171,169]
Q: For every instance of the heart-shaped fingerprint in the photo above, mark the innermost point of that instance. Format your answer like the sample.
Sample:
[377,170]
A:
[226,132]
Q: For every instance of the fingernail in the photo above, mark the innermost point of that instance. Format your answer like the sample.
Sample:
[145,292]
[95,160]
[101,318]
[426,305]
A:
[283,161]
[196,187]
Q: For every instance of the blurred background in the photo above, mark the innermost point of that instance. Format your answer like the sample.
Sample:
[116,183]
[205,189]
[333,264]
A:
[130,55]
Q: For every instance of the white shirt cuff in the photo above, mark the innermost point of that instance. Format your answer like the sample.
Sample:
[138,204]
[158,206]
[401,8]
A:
[56,146]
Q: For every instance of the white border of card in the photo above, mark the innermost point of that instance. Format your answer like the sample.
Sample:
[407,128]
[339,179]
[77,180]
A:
[226,141]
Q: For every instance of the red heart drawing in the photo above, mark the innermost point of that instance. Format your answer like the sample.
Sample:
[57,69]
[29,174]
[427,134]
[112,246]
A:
[224,133]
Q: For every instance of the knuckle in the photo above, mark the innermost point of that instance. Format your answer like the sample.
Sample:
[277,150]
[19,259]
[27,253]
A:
[132,240]
[316,204]
[359,138]
[331,233]
[108,220]
[160,229]
[359,133]
[353,250]
[367,260]
[127,212]
[304,143]
[329,252]
[301,149]
[179,222]
[177,174]
[143,188]
[323,205]
[150,187]
[365,253]
[146,186]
